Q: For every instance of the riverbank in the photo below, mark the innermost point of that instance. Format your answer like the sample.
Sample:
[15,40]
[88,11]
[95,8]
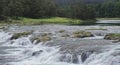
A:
[52,20]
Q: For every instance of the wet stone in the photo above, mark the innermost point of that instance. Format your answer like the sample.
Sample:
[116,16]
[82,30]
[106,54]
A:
[37,53]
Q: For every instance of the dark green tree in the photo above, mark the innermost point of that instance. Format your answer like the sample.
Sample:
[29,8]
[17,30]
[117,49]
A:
[82,11]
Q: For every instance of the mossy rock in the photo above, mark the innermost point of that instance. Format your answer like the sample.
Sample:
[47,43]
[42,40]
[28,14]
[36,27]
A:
[41,39]
[18,35]
[112,36]
[45,38]
[61,31]
[82,34]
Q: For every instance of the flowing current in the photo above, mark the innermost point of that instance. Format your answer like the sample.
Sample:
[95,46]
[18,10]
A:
[22,51]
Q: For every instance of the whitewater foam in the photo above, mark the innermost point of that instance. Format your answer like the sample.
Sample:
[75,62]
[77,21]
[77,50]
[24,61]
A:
[40,54]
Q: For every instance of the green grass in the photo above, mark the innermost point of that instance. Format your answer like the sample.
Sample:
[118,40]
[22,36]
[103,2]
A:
[108,18]
[52,20]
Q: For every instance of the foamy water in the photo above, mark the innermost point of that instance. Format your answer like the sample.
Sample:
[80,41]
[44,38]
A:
[29,53]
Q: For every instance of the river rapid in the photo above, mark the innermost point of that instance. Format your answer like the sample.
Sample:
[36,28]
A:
[59,51]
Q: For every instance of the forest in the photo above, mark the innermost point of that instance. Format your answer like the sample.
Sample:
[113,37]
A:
[78,9]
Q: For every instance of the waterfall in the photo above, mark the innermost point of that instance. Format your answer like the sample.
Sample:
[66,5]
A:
[39,54]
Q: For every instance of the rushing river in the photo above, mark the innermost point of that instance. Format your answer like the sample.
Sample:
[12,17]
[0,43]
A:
[59,51]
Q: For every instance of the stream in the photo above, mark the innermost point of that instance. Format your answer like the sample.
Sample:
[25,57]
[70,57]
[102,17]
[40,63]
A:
[59,51]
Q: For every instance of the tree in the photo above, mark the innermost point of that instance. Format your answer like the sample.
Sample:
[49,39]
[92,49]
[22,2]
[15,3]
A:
[39,8]
[13,8]
[82,11]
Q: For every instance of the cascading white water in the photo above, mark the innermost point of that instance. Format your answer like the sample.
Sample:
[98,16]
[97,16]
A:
[4,36]
[31,54]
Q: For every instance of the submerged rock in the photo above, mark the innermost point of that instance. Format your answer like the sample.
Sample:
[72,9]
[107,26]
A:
[85,55]
[75,58]
[37,53]
[70,58]
[66,57]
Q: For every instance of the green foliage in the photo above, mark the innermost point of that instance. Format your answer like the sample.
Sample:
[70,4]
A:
[65,8]
[27,8]
[82,11]
[42,9]
[39,8]
[108,9]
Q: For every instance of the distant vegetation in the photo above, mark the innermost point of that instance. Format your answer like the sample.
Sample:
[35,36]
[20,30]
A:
[75,9]
[102,8]
[43,9]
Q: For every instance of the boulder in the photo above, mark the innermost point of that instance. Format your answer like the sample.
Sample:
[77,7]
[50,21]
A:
[37,53]
[43,38]
[81,34]
[18,35]
[113,36]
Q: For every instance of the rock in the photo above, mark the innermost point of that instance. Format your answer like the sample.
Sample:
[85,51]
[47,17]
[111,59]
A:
[17,35]
[70,58]
[116,41]
[37,53]
[2,27]
[35,38]
[113,36]
[43,38]
[82,34]
[85,55]
[75,58]
[61,31]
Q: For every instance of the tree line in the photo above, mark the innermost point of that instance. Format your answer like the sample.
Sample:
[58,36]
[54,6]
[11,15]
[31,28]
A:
[52,8]
[108,9]
[102,8]
[27,8]
[43,8]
